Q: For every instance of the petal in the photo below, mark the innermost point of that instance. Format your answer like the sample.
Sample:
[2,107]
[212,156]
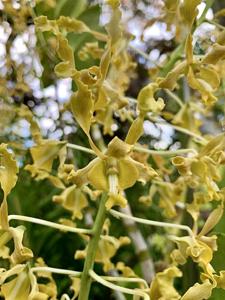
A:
[72,199]
[97,176]
[44,154]
[220,279]
[146,100]
[75,286]
[145,172]
[212,220]
[20,253]
[135,131]
[113,27]
[216,54]
[182,164]
[188,11]
[170,81]
[107,248]
[162,285]
[8,179]
[72,25]
[18,288]
[189,49]
[8,170]
[209,75]
[24,112]
[203,86]
[216,144]
[199,291]
[115,199]
[80,177]
[66,68]
[82,106]
[128,173]
[42,23]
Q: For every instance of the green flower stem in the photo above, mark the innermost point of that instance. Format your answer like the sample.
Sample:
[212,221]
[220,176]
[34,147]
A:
[140,245]
[50,224]
[200,139]
[126,279]
[99,35]
[138,149]
[81,148]
[174,97]
[135,292]
[151,222]
[56,271]
[164,152]
[143,54]
[92,249]
[216,24]
[174,57]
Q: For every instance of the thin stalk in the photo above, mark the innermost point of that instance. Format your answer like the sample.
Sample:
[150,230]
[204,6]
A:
[164,152]
[175,55]
[152,223]
[116,294]
[175,97]
[139,149]
[99,35]
[180,129]
[49,224]
[85,284]
[80,148]
[140,245]
[56,271]
[143,54]
[216,24]
[190,133]
[112,286]
[126,279]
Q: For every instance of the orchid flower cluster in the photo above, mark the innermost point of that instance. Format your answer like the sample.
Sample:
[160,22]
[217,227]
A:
[100,94]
